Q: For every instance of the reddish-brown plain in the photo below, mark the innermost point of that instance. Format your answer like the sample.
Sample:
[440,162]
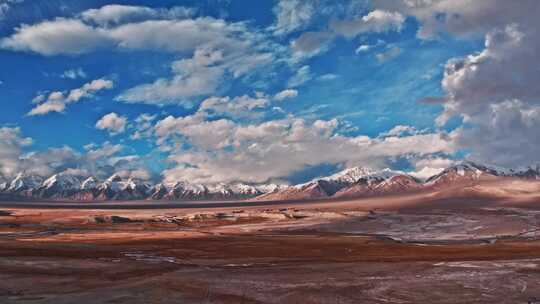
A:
[476,245]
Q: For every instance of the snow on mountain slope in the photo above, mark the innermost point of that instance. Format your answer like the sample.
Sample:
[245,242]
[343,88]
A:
[62,181]
[245,190]
[115,188]
[395,184]
[60,185]
[353,175]
[89,184]
[311,190]
[186,191]
[4,183]
[133,189]
[352,182]
[24,182]
[357,179]
[467,172]
[158,191]
[532,172]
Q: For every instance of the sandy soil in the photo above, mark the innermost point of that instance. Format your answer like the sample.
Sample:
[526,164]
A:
[427,248]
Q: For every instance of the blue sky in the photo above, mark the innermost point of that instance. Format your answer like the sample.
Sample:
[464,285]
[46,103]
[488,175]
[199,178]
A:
[362,79]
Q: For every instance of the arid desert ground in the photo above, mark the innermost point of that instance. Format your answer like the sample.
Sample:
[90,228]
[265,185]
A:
[468,247]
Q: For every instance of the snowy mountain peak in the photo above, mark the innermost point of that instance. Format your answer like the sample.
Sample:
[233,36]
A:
[245,189]
[468,170]
[89,184]
[133,183]
[269,188]
[25,181]
[357,181]
[62,181]
[185,186]
[137,184]
[115,178]
[351,175]
[355,174]
[469,166]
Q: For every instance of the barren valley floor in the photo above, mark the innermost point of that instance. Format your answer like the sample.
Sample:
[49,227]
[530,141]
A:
[385,250]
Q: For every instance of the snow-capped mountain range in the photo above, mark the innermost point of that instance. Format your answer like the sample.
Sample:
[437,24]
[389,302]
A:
[352,182]
[65,186]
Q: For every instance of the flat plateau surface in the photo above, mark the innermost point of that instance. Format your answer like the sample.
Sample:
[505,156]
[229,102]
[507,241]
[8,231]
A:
[409,249]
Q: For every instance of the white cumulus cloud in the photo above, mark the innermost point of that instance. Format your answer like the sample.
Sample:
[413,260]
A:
[285,94]
[223,150]
[74,73]
[58,101]
[112,123]
[115,14]
[376,21]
